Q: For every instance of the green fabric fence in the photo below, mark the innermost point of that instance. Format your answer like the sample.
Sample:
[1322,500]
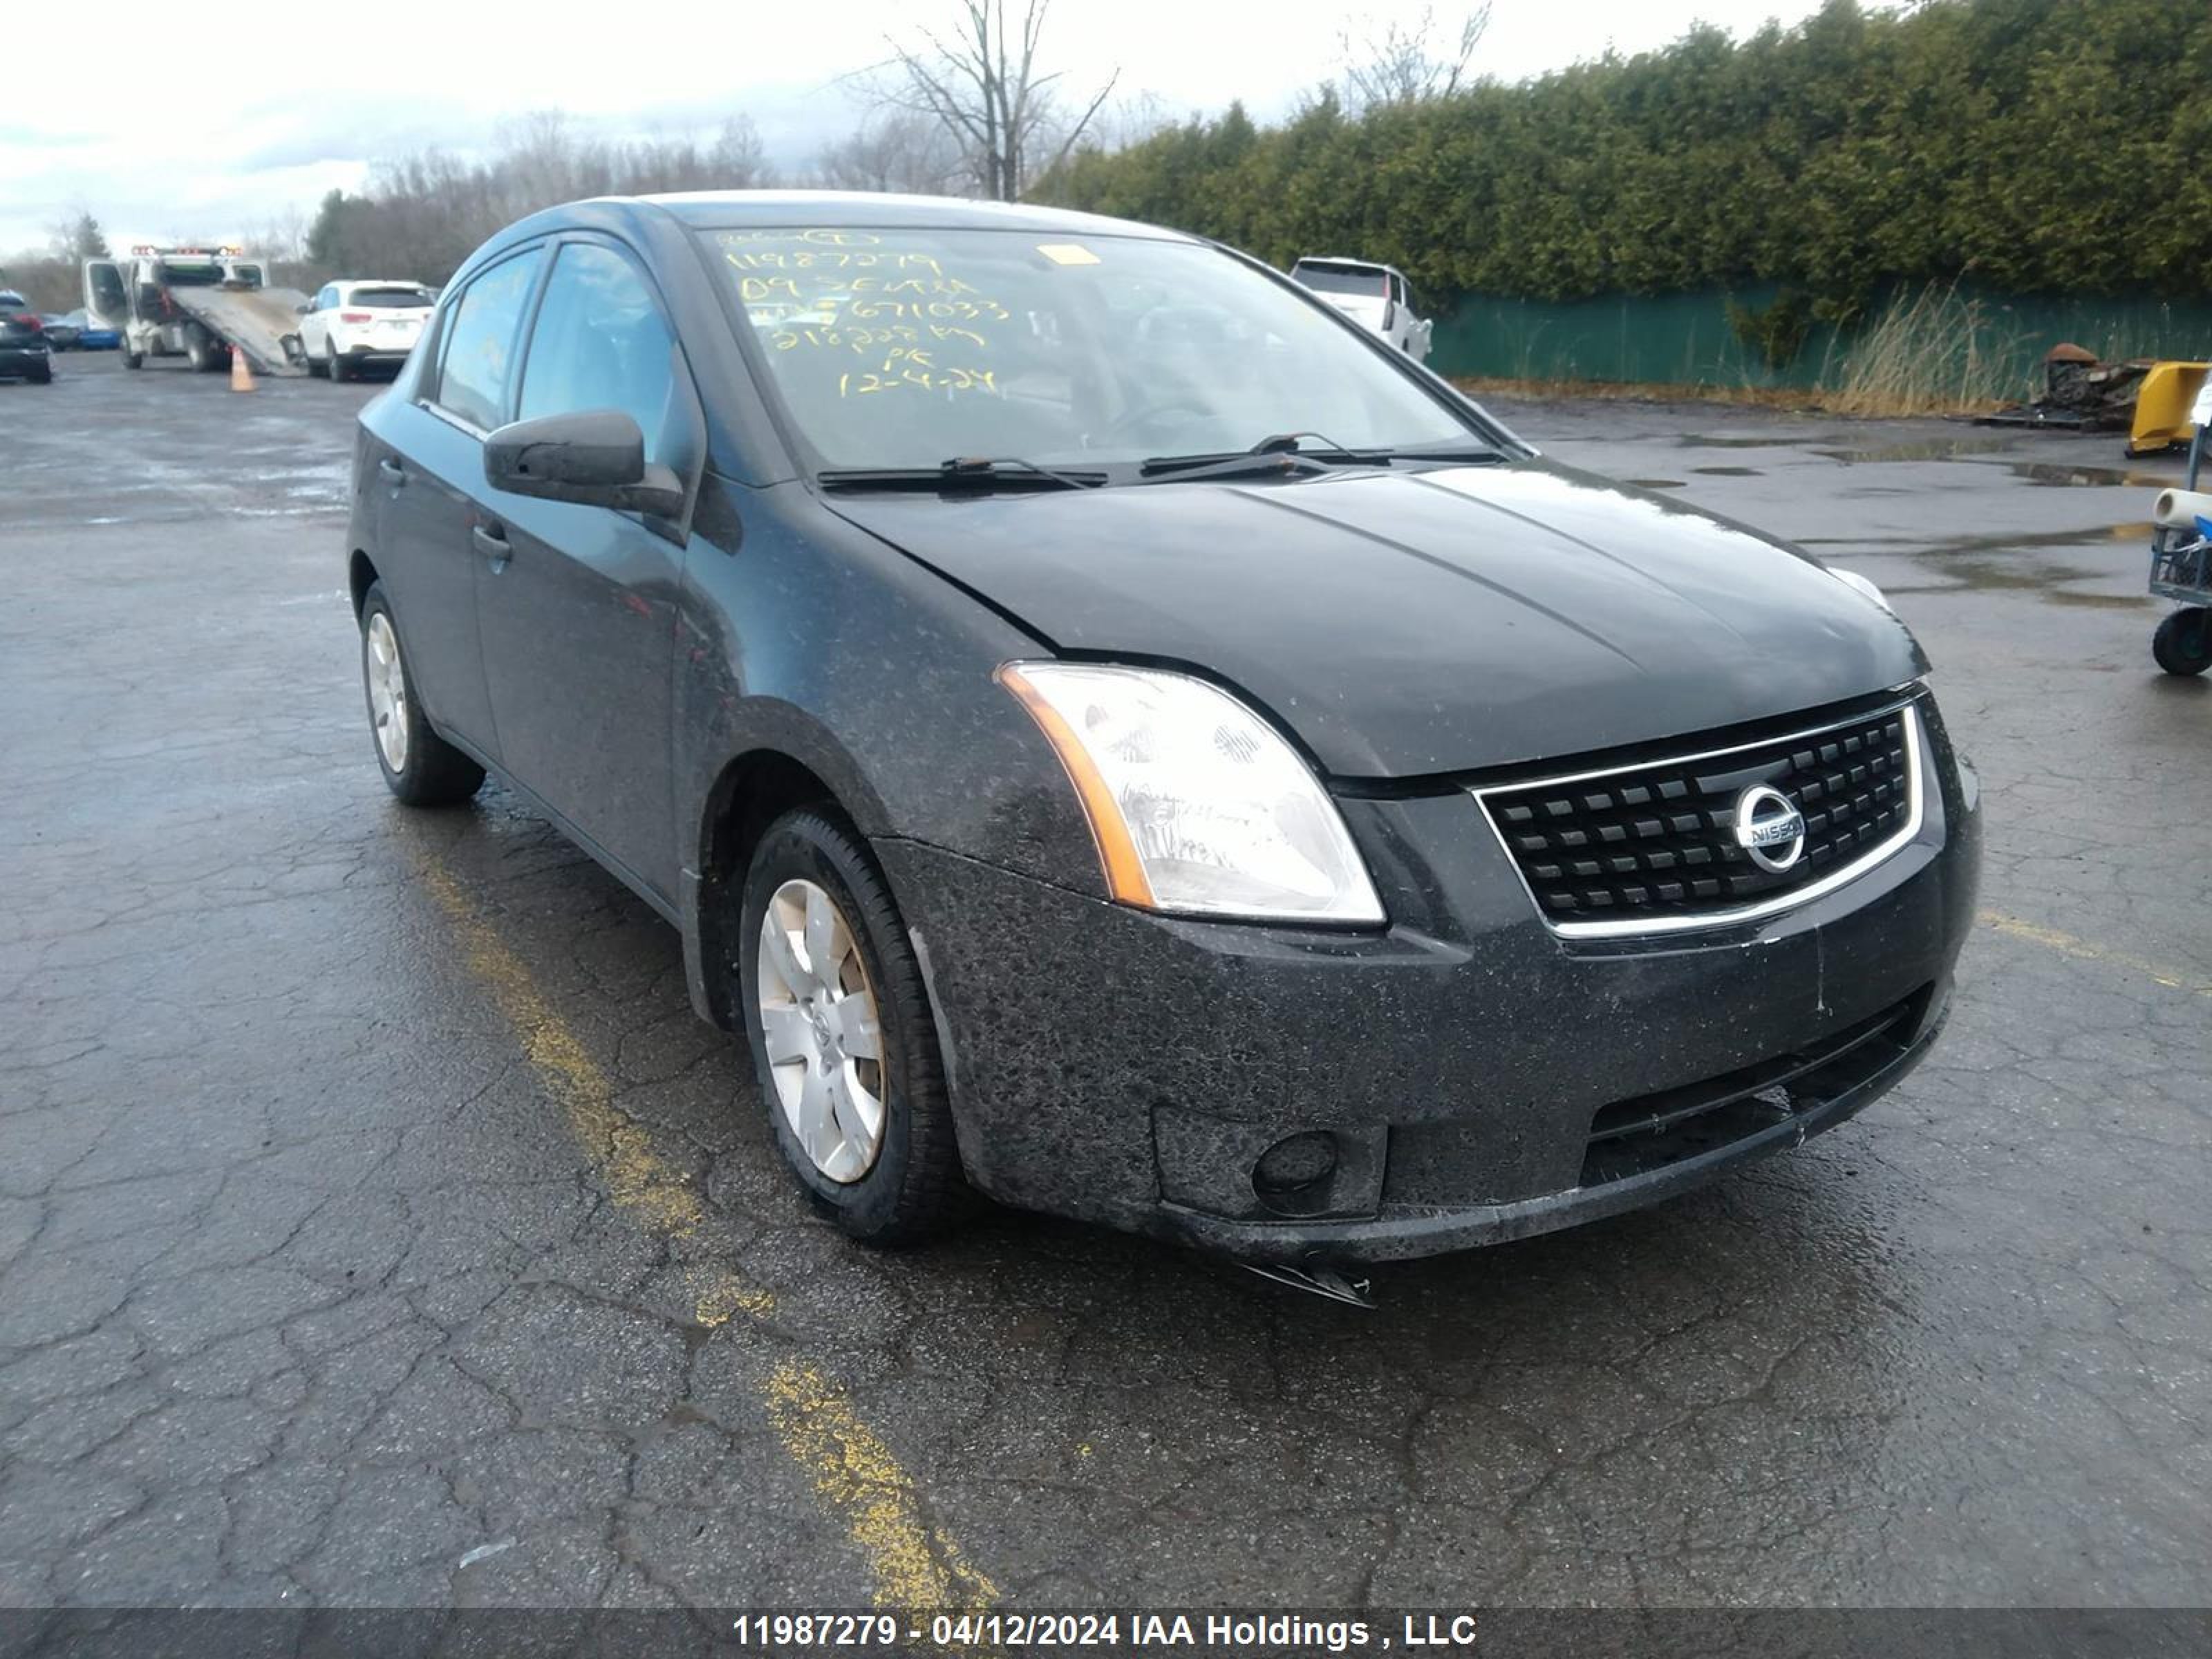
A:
[1686,339]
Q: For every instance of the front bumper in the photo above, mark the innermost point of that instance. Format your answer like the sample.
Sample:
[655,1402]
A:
[25,360]
[1134,1069]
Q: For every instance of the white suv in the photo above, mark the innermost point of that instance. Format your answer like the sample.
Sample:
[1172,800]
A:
[349,326]
[1378,296]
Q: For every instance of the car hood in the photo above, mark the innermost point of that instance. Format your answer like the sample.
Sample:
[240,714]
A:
[1407,624]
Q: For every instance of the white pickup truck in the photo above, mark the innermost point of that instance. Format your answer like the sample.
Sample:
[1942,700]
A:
[199,303]
[1378,296]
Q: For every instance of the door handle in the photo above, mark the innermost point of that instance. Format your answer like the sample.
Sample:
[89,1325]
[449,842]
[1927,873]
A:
[394,474]
[493,545]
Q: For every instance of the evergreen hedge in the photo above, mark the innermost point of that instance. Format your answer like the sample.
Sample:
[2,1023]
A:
[2041,146]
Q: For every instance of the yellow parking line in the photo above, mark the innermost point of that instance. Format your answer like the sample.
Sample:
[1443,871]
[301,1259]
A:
[853,1472]
[857,1476]
[636,1178]
[2067,945]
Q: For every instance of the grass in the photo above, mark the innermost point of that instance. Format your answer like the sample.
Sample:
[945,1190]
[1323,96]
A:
[1929,352]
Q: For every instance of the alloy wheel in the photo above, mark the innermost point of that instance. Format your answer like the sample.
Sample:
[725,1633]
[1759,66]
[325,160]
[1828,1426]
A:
[824,1040]
[387,691]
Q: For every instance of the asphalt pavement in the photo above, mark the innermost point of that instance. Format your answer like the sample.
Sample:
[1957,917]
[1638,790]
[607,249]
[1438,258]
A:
[379,1227]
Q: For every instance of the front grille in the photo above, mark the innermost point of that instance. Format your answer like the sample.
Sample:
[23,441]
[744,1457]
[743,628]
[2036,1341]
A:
[1652,845]
[1633,1137]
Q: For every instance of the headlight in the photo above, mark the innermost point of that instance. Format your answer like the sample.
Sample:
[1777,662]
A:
[1852,578]
[1197,804]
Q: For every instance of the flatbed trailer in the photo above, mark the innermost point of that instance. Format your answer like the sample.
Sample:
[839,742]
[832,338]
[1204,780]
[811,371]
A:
[202,304]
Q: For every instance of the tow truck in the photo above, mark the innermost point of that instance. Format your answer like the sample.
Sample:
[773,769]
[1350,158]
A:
[199,303]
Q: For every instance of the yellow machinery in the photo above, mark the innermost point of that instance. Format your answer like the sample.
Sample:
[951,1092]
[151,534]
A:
[2162,403]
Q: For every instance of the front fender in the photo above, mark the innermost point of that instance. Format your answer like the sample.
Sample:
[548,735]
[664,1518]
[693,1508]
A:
[802,635]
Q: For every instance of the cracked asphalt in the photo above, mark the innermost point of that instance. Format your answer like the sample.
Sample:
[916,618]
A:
[379,1228]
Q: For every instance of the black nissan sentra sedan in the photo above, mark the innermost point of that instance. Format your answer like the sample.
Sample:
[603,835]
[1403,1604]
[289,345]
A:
[1118,739]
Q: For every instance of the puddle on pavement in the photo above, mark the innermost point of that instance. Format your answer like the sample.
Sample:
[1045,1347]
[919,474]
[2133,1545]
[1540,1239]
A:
[1996,541]
[1655,483]
[1920,449]
[1985,576]
[1729,472]
[2053,475]
[2062,475]
[1707,441]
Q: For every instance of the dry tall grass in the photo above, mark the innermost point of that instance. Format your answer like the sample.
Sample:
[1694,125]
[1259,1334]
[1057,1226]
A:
[1929,353]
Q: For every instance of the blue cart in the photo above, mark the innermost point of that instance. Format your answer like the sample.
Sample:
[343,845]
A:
[2181,570]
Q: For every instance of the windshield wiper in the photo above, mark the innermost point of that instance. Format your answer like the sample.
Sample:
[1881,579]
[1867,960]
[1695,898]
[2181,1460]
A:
[1236,463]
[962,472]
[1281,452]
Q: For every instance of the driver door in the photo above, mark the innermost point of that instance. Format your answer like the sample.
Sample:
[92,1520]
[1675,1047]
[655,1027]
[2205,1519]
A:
[107,295]
[576,604]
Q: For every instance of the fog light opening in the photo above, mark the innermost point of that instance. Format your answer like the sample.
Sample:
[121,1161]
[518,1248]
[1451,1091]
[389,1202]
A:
[1294,1176]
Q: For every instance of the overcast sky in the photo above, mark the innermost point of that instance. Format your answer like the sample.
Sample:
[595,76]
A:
[160,149]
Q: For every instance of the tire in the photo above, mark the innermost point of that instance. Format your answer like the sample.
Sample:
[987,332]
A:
[334,365]
[420,766]
[2183,644]
[42,376]
[317,367]
[198,355]
[912,1187]
[133,359]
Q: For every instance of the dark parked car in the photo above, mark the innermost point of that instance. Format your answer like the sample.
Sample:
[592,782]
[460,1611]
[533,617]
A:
[1117,738]
[24,353]
[61,333]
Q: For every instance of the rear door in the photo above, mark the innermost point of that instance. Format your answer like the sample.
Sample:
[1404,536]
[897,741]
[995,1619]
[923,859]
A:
[106,294]
[314,323]
[577,605]
[426,486]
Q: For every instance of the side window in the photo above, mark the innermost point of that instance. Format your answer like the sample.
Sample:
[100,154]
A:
[480,341]
[600,343]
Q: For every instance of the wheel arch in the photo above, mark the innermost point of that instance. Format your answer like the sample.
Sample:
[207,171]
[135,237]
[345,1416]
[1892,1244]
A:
[361,577]
[790,765]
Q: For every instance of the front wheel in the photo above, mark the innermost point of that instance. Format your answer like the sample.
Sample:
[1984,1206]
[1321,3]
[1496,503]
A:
[838,1018]
[133,359]
[42,375]
[2183,643]
[334,365]
[419,765]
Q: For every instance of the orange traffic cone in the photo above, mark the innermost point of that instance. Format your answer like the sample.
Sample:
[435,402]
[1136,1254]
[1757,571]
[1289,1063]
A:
[242,372]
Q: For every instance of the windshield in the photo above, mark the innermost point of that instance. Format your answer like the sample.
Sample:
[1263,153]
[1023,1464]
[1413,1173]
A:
[897,348]
[1342,279]
[190,273]
[389,299]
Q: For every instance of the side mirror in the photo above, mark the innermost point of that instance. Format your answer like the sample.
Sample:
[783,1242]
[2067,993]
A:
[595,458]
[301,311]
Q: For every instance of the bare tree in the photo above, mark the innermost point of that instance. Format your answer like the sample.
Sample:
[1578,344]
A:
[1406,62]
[894,150]
[979,80]
[1129,120]
[420,213]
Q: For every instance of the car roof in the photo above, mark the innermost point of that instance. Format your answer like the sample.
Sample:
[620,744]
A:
[834,209]
[379,282]
[1341,260]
